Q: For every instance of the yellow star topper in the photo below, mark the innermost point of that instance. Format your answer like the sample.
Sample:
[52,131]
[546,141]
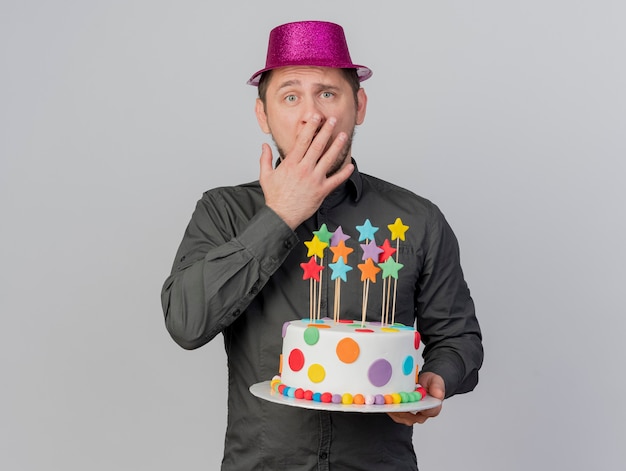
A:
[397,229]
[316,247]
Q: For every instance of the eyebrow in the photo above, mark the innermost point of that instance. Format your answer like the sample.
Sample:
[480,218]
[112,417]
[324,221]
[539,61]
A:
[319,85]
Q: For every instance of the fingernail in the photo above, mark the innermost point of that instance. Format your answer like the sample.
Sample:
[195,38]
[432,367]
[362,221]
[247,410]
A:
[332,121]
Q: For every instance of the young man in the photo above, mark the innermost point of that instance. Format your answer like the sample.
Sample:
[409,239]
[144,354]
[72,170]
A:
[237,270]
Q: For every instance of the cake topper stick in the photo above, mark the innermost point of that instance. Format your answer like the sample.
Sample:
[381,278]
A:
[368,270]
[390,268]
[340,268]
[384,304]
[316,248]
[311,272]
[395,292]
[319,296]
[336,301]
[387,251]
[365,295]
[398,229]
[340,254]
[368,273]
[311,299]
[339,273]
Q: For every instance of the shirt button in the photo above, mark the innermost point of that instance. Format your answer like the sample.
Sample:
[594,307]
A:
[323,455]
[288,244]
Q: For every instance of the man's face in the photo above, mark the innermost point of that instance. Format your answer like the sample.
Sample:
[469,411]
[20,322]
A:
[294,94]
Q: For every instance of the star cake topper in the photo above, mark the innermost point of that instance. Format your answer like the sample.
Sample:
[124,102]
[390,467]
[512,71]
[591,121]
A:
[311,269]
[316,247]
[397,229]
[366,231]
[368,270]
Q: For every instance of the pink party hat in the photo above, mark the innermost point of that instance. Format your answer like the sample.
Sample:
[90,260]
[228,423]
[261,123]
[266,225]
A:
[309,43]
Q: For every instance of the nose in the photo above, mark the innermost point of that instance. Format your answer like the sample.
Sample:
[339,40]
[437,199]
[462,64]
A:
[313,112]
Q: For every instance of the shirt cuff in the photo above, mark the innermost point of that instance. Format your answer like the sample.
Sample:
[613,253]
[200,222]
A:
[450,367]
[269,239]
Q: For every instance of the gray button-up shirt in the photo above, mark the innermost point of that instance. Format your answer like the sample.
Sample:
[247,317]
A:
[237,272]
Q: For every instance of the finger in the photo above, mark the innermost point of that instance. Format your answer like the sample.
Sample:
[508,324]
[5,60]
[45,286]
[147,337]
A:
[305,138]
[434,385]
[266,159]
[339,177]
[320,141]
[334,156]
[420,419]
[437,391]
[423,416]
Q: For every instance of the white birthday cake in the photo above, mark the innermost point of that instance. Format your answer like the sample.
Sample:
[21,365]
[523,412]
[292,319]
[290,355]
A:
[347,361]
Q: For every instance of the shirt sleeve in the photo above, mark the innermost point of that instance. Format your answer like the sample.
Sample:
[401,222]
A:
[446,316]
[226,256]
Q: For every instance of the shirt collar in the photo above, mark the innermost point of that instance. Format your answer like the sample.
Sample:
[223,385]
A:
[357,182]
[351,188]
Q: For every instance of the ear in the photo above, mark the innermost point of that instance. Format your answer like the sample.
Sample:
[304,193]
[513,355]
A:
[261,117]
[361,106]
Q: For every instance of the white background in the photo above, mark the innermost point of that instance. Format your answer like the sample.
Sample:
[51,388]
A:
[115,116]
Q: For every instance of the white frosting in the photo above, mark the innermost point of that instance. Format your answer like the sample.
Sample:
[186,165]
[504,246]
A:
[395,346]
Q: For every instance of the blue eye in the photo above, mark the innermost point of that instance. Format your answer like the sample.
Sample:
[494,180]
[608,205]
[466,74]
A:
[327,94]
[290,98]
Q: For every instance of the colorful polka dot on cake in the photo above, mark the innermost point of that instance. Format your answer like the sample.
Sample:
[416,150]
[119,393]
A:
[316,373]
[418,338]
[389,329]
[407,365]
[348,350]
[311,335]
[296,359]
[379,372]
